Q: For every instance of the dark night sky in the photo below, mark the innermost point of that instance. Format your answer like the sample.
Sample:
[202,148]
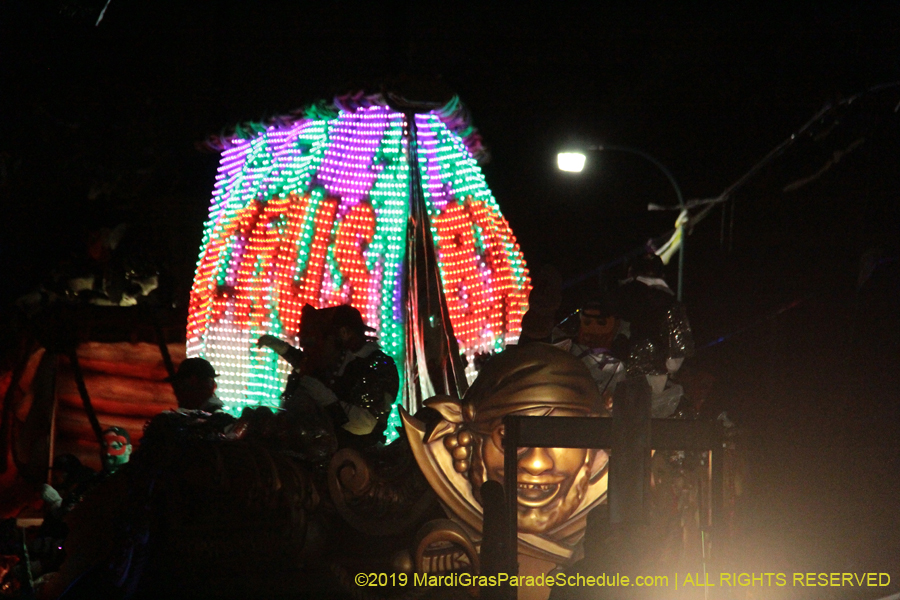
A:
[119,108]
[102,124]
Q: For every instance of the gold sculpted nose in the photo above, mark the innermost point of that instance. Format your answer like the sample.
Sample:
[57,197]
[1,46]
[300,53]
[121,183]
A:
[536,461]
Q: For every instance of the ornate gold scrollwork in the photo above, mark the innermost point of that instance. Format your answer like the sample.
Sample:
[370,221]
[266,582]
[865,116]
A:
[443,546]
[373,501]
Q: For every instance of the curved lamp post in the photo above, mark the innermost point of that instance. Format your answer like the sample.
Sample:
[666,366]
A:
[573,162]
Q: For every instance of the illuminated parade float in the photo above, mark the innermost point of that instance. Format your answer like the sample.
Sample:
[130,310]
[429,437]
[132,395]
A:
[379,203]
[374,202]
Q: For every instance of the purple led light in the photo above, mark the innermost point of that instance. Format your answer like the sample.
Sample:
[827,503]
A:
[346,170]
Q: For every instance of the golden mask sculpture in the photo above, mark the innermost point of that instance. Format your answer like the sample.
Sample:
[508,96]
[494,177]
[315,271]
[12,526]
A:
[557,487]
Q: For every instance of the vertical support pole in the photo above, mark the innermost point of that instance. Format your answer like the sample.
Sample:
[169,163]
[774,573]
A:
[85,397]
[717,458]
[161,340]
[423,290]
[51,451]
[494,552]
[630,460]
[510,484]
[28,592]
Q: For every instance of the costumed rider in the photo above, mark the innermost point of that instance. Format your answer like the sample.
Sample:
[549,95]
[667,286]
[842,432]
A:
[74,480]
[344,371]
[195,387]
[657,330]
[71,480]
[593,345]
[116,450]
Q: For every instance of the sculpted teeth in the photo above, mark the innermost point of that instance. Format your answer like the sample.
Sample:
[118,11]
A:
[536,495]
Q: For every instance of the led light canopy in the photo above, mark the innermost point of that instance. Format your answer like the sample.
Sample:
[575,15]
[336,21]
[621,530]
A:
[316,209]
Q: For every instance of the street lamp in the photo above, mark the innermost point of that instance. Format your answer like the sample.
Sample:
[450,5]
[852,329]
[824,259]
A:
[573,162]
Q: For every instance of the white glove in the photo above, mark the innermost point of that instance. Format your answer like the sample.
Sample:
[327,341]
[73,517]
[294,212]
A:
[50,496]
[318,391]
[359,420]
[673,364]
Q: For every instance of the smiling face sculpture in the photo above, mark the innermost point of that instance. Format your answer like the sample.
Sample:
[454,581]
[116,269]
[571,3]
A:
[556,486]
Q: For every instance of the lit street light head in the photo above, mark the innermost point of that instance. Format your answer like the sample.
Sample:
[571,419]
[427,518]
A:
[572,162]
